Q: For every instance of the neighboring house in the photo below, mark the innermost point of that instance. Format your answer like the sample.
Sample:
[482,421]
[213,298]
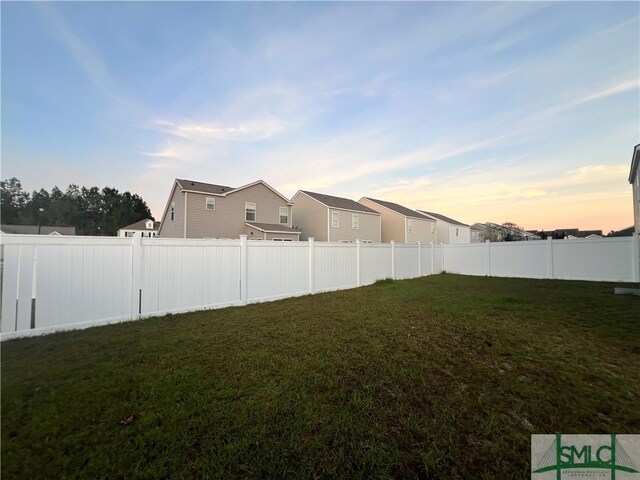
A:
[38,230]
[144,228]
[334,219]
[625,232]
[634,180]
[499,233]
[401,224]
[204,210]
[476,235]
[566,233]
[448,230]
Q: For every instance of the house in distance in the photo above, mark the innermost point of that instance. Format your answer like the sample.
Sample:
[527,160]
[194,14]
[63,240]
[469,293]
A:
[205,210]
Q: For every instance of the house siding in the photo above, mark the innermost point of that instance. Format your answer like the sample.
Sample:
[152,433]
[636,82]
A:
[310,217]
[228,218]
[464,234]
[636,201]
[175,228]
[421,232]
[368,227]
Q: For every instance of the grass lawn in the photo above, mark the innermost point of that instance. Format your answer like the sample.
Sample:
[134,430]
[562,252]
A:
[440,377]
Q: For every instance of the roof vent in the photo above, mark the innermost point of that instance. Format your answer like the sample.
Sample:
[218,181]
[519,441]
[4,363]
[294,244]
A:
[192,183]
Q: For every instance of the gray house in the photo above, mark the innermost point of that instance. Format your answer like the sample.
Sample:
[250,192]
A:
[205,210]
[401,224]
[38,230]
[334,219]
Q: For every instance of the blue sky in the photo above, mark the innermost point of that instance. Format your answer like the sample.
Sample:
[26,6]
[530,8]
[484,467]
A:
[523,112]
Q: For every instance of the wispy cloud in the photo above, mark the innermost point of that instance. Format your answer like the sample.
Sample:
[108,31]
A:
[249,131]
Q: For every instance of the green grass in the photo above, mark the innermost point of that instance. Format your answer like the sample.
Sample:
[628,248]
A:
[440,377]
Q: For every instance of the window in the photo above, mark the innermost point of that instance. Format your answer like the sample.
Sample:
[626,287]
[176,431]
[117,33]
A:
[149,224]
[173,211]
[335,219]
[284,215]
[250,212]
[354,221]
[210,203]
[456,231]
[410,225]
[129,234]
[433,228]
[281,240]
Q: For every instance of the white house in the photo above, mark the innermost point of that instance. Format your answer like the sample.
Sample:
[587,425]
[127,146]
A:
[449,231]
[145,228]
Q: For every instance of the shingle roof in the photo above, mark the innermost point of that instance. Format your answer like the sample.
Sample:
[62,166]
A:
[33,229]
[339,202]
[203,187]
[141,225]
[272,227]
[444,218]
[407,212]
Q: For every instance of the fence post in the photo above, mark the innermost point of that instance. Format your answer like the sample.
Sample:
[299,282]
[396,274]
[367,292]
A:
[419,259]
[393,259]
[243,269]
[635,257]
[432,257]
[312,265]
[550,257]
[136,276]
[358,263]
[488,269]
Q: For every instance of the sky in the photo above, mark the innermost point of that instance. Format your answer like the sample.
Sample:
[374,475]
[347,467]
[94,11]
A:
[525,112]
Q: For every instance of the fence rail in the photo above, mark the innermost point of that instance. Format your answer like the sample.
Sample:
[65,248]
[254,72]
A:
[59,283]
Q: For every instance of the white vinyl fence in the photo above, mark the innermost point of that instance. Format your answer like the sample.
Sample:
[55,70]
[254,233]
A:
[59,283]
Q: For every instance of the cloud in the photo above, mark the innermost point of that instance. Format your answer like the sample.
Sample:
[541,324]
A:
[248,131]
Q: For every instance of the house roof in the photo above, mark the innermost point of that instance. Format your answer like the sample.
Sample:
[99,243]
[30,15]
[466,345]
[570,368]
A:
[203,187]
[141,225]
[272,228]
[635,161]
[437,216]
[339,202]
[33,229]
[625,232]
[407,212]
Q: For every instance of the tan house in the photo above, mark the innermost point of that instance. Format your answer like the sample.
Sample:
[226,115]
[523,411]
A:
[334,219]
[401,224]
[205,210]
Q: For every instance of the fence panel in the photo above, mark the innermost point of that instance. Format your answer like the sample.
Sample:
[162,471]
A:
[519,259]
[180,275]
[468,259]
[606,259]
[406,261]
[277,269]
[335,266]
[375,263]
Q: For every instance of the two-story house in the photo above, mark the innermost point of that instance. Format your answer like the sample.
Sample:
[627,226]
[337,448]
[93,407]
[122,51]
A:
[448,230]
[334,219]
[401,224]
[204,210]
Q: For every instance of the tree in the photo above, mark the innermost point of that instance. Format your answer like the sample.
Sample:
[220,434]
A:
[91,210]
[13,201]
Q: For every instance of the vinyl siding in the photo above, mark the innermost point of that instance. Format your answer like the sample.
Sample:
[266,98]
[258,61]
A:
[393,224]
[228,218]
[636,201]
[464,234]
[175,228]
[310,217]
[368,227]
[421,232]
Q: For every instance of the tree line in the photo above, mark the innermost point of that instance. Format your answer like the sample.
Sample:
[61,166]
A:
[92,211]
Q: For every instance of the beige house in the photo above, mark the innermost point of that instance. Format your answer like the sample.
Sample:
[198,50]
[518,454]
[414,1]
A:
[205,210]
[634,180]
[401,224]
[334,219]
